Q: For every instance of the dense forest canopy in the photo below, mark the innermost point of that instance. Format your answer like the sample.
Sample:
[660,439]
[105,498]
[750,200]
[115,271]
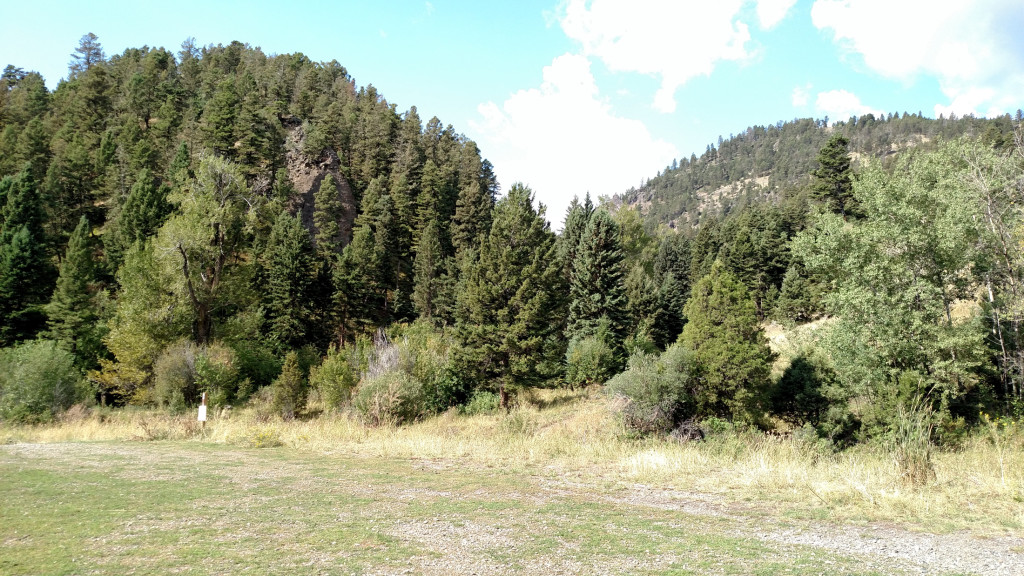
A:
[259,227]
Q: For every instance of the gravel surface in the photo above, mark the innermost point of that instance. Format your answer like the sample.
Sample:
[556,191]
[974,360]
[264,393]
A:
[881,547]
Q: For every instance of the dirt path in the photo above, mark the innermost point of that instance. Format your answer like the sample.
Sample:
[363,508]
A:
[882,548]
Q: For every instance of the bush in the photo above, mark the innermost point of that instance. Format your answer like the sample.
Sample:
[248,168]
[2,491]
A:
[482,402]
[257,364]
[289,389]
[656,390]
[589,361]
[334,378]
[389,398]
[174,377]
[184,371]
[38,380]
[444,389]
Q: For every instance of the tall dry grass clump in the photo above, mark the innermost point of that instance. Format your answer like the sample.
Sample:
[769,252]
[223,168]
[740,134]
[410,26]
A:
[561,434]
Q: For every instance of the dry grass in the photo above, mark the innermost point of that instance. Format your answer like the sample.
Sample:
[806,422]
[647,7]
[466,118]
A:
[576,436]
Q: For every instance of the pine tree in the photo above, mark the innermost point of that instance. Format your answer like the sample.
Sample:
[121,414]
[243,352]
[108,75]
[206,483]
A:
[290,272]
[576,219]
[596,288]
[289,387]
[26,275]
[327,213]
[23,287]
[730,351]
[144,210]
[507,300]
[429,269]
[797,301]
[833,182]
[705,248]
[72,314]
[472,216]
[365,277]
[218,122]
[672,273]
[88,54]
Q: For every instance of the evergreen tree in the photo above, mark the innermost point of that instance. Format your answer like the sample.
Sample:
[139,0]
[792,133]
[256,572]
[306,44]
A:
[365,277]
[596,288]
[730,351]
[289,387]
[24,281]
[290,272]
[508,298]
[327,213]
[833,181]
[73,318]
[672,273]
[88,54]
[798,301]
[705,248]
[429,271]
[576,219]
[219,115]
[144,210]
[26,275]
[472,216]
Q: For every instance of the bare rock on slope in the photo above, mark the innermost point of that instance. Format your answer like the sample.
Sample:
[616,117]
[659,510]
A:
[307,174]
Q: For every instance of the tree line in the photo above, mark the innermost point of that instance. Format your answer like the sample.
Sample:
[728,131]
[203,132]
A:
[223,221]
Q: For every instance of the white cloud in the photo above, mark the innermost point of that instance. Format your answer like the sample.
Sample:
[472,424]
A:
[839,105]
[771,12]
[800,96]
[974,48]
[563,140]
[673,40]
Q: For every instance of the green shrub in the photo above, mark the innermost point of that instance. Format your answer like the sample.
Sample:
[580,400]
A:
[589,361]
[183,371]
[334,378]
[38,380]
[444,389]
[289,388]
[482,402]
[174,377]
[656,390]
[389,398]
[257,364]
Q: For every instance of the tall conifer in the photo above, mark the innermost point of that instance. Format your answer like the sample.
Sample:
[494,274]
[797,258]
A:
[508,298]
[72,315]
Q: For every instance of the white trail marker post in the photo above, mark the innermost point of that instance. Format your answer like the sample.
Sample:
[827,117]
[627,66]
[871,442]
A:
[202,411]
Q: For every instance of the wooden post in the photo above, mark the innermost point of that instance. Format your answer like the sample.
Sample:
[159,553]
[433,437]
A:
[202,412]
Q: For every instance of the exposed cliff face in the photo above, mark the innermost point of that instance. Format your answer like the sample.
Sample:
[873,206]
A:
[307,174]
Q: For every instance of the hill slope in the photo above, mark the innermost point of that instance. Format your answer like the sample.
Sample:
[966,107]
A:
[773,161]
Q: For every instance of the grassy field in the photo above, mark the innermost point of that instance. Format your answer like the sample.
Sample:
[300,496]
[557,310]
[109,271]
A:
[555,487]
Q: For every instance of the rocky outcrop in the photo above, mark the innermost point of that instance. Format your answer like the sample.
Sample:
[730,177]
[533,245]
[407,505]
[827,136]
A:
[307,174]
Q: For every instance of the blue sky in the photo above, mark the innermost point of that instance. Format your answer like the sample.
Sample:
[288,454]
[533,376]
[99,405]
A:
[571,96]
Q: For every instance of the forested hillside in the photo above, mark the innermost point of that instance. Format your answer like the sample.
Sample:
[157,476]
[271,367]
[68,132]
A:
[263,230]
[776,161]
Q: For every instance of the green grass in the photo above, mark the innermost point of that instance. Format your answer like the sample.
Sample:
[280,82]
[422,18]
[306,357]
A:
[196,508]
